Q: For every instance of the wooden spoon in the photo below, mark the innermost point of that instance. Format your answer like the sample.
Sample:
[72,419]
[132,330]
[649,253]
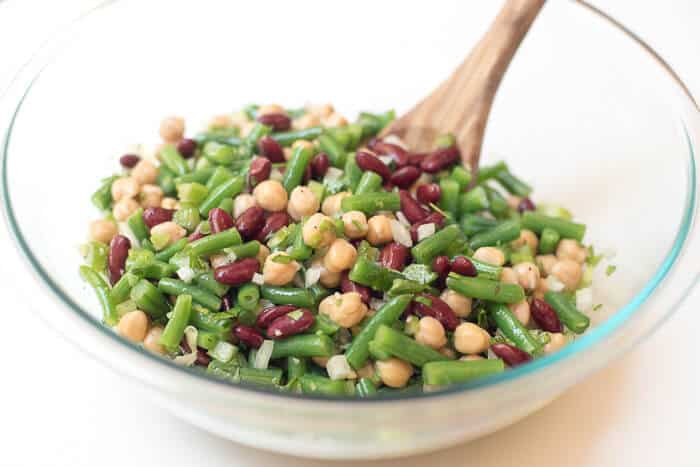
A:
[461,104]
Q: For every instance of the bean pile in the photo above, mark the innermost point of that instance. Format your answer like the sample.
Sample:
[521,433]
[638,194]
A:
[289,248]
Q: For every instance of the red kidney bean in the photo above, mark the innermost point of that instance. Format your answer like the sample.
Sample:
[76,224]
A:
[307,175]
[219,220]
[237,273]
[439,310]
[319,165]
[463,266]
[155,216]
[428,193]
[393,256]
[250,222]
[268,147]
[440,159]
[128,161]
[397,153]
[526,204]
[441,266]
[116,259]
[273,223]
[413,211]
[346,285]
[432,218]
[405,176]
[202,358]
[248,336]
[186,147]
[194,236]
[367,161]
[259,170]
[512,355]
[285,325]
[416,158]
[278,122]
[268,315]
[545,316]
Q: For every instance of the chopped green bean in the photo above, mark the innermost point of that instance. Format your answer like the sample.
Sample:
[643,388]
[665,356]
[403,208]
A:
[485,289]
[149,299]
[200,295]
[303,345]
[567,312]
[511,327]
[450,372]
[498,235]
[566,229]
[427,249]
[370,203]
[109,312]
[175,327]
[288,296]
[406,348]
[369,183]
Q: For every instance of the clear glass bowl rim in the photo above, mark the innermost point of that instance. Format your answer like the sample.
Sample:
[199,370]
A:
[586,341]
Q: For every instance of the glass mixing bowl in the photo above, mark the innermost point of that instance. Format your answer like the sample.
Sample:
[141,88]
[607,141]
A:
[585,113]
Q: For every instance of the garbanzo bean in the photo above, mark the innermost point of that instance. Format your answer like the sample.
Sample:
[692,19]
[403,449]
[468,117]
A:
[270,195]
[151,342]
[263,253]
[379,230]
[133,326]
[470,339]
[303,202]
[306,121]
[431,333]
[521,310]
[318,231]
[151,196]
[340,256]
[102,230]
[527,237]
[145,172]
[557,340]
[568,272]
[461,305]
[170,203]
[172,129]
[394,372]
[171,229]
[279,269]
[241,204]
[528,275]
[509,276]
[122,209]
[491,255]
[355,223]
[346,309]
[125,187]
[331,205]
[545,263]
[571,249]
[271,109]
[328,279]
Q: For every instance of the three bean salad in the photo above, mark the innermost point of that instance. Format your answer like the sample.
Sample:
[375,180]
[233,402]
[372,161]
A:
[291,249]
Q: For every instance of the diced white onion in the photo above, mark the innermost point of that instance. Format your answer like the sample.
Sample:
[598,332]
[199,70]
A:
[401,233]
[584,300]
[375,303]
[393,139]
[554,284]
[262,358]
[339,368]
[385,159]
[490,354]
[275,174]
[400,216]
[258,279]
[191,339]
[312,276]
[223,351]
[333,173]
[186,274]
[125,230]
[425,231]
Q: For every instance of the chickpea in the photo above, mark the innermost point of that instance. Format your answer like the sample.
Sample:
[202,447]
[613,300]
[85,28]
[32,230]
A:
[125,187]
[328,279]
[513,201]
[133,326]
[340,256]
[331,205]
[355,223]
[334,120]
[528,275]
[431,333]
[145,172]
[394,372]
[468,358]
[569,272]
[151,342]
[287,152]
[322,110]
[509,276]
[461,305]
[171,229]
[521,310]
[346,309]
[241,203]
[221,121]
[278,273]
[541,289]
[102,230]
[170,203]
[172,129]
[302,203]
[270,195]
[318,231]
[527,237]
[571,249]
[151,196]
[263,253]
[546,263]
[470,338]
[306,121]
[491,255]
[366,371]
[246,128]
[271,109]
[557,340]
[379,230]
[302,143]
[124,208]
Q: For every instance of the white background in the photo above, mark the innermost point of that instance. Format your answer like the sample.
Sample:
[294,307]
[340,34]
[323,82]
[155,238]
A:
[60,408]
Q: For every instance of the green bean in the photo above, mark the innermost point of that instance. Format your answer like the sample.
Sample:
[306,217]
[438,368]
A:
[137,225]
[192,193]
[353,173]
[489,172]
[296,167]
[335,152]
[247,317]
[402,346]
[324,325]
[206,281]
[258,131]
[288,296]
[102,197]
[365,388]
[296,367]
[166,180]
[109,311]
[449,196]
[212,322]
[378,352]
[95,254]
[230,139]
[513,184]
[219,175]
[370,182]
[245,250]
[566,229]
[299,249]
[498,235]
[358,351]
[370,203]
[228,189]
[261,377]
[462,176]
[313,384]
[567,312]
[154,269]
[214,243]
[513,329]
[173,160]
[248,297]
[169,252]
[404,286]
[200,295]
[427,249]
[443,373]
[473,200]
[374,123]
[473,223]
[175,327]
[288,137]
[486,270]
[549,239]
[227,205]
[202,176]
[498,206]
[207,339]
[521,255]
[318,292]
[304,345]
[371,274]
[121,290]
[217,153]
[484,289]
[409,390]
[149,299]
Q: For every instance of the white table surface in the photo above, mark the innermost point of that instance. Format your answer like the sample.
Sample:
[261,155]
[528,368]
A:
[58,407]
